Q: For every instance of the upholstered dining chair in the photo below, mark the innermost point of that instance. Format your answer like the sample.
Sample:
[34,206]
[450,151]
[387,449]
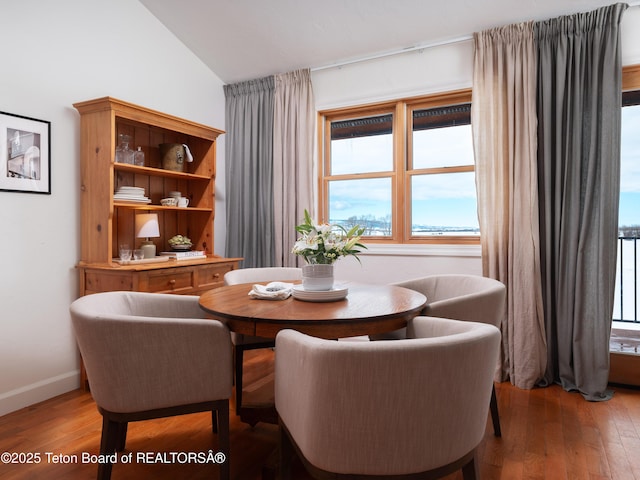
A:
[247,342]
[413,408]
[151,355]
[460,297]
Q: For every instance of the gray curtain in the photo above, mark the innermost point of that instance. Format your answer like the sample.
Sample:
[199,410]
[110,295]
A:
[249,171]
[579,98]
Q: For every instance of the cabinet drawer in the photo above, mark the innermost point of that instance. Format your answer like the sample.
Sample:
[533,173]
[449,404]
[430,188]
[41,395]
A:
[98,281]
[212,276]
[171,281]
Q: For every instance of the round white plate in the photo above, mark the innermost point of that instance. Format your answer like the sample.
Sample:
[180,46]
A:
[333,295]
[131,191]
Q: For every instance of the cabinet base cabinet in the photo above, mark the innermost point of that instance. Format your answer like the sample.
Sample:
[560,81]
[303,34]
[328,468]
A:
[183,277]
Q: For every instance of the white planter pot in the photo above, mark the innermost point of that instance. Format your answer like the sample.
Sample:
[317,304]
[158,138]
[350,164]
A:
[317,277]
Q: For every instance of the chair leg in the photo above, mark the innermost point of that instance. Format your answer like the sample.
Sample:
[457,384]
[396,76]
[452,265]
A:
[122,436]
[239,365]
[470,470]
[239,358]
[223,439]
[214,421]
[111,437]
[494,413]
[285,455]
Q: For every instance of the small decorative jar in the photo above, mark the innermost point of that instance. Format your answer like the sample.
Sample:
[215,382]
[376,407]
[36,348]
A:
[138,157]
[123,153]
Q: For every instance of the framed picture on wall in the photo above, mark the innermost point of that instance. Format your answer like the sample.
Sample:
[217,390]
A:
[25,154]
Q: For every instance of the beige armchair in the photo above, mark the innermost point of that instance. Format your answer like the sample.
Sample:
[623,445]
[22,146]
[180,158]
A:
[407,409]
[151,355]
[460,297]
[246,342]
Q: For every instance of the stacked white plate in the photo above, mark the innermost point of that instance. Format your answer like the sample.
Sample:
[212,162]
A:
[335,294]
[131,194]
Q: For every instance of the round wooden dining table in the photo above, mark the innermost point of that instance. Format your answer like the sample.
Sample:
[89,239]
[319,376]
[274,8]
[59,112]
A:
[366,310]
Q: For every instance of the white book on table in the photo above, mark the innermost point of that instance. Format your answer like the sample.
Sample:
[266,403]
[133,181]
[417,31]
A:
[188,255]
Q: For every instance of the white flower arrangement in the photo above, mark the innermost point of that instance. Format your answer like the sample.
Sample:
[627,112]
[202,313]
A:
[326,243]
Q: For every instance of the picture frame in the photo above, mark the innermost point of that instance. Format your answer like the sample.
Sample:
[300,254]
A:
[25,154]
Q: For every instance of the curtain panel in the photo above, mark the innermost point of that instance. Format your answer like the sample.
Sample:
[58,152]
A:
[579,112]
[249,110]
[270,126]
[503,118]
[293,147]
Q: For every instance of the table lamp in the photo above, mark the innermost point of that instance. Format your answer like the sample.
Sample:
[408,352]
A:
[147,227]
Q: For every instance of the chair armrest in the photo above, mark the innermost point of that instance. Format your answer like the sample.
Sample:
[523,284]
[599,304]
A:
[165,305]
[474,307]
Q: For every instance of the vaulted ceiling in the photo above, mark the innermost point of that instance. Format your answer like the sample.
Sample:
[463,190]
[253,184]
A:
[247,39]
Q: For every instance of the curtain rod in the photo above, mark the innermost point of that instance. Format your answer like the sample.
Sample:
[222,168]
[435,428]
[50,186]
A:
[465,38]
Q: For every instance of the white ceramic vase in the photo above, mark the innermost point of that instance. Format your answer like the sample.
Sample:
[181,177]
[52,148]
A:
[317,277]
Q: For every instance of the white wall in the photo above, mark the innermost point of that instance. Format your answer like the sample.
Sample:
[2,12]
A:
[56,54]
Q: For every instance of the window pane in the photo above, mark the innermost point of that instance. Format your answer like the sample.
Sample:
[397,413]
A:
[443,147]
[627,289]
[364,202]
[442,137]
[362,145]
[444,204]
[629,215]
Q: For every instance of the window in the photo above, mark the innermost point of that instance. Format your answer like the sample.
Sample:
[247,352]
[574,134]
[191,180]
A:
[441,172]
[626,306]
[403,170]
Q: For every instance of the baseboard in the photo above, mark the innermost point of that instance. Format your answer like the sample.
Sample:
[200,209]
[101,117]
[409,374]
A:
[38,392]
[624,368]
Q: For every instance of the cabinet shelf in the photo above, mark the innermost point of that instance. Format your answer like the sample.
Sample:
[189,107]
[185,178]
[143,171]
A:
[158,172]
[159,208]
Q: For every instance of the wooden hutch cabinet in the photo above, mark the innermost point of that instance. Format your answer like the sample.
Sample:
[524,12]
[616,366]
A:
[107,222]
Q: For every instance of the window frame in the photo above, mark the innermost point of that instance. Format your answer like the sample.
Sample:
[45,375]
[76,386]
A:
[631,78]
[402,110]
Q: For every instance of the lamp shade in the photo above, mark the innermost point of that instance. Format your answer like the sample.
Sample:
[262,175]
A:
[147,225]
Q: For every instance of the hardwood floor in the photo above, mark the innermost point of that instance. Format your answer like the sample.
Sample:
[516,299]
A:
[547,434]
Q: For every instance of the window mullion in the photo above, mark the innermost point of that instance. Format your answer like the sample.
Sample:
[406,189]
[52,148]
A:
[431,171]
[399,194]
